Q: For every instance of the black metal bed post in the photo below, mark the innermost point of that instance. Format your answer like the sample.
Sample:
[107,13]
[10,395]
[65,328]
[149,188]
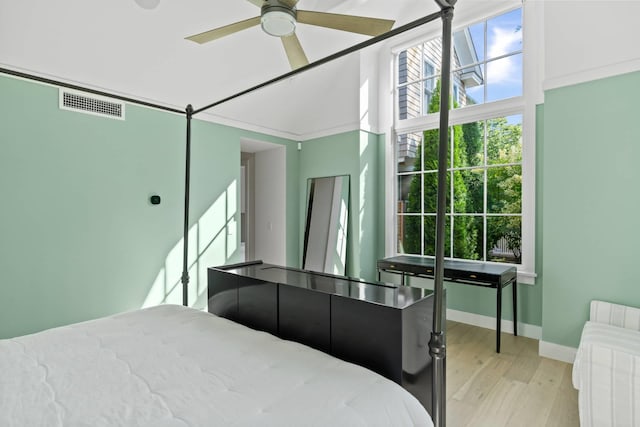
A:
[187,177]
[437,348]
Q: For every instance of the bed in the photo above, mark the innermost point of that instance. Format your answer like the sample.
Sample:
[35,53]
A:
[175,366]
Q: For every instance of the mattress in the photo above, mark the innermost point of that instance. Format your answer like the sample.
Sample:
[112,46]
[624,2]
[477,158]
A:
[175,366]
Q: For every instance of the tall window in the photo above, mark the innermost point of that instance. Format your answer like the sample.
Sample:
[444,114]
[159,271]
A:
[484,165]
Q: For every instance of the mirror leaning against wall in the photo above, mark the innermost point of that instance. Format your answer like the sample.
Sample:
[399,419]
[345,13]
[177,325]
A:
[326,230]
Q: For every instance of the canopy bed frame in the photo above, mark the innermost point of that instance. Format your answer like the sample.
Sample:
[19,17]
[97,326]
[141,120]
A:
[437,340]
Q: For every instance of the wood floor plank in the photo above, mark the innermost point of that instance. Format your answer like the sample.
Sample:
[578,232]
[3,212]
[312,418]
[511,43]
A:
[460,413]
[525,363]
[465,360]
[513,388]
[564,412]
[480,383]
[539,394]
[498,406]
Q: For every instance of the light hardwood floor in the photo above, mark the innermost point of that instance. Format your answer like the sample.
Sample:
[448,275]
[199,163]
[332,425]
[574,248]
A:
[513,388]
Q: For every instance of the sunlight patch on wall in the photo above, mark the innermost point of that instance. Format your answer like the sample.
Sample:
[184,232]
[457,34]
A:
[364,105]
[212,242]
[364,169]
[232,204]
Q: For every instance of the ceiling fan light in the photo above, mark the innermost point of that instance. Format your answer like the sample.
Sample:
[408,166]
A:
[278,23]
[148,4]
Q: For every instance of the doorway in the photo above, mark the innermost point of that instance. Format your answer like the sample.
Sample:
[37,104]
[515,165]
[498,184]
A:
[263,201]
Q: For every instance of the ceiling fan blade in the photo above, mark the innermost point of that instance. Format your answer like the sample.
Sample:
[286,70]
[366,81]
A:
[295,53]
[258,3]
[351,23]
[217,33]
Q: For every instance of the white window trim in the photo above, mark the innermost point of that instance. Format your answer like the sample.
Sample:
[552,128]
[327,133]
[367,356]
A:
[526,105]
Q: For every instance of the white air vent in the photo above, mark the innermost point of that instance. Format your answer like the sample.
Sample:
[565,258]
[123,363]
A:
[91,104]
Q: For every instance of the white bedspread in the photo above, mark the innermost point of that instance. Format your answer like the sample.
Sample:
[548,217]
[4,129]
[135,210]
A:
[174,366]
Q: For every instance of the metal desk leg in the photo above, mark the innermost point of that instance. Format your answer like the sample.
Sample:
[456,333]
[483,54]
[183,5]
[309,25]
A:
[498,316]
[515,308]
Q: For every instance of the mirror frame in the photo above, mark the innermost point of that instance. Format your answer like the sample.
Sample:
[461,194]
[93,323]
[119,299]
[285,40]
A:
[345,199]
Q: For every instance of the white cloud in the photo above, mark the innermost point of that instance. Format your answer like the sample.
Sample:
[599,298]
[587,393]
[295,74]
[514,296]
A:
[504,41]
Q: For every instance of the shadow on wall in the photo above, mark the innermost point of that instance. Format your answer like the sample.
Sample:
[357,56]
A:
[213,241]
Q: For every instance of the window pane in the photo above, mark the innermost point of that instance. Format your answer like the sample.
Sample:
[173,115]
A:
[410,101]
[504,140]
[430,192]
[504,189]
[504,34]
[473,139]
[486,65]
[409,193]
[430,144]
[504,78]
[470,82]
[430,236]
[478,37]
[433,54]
[408,152]
[504,239]
[468,191]
[467,144]
[429,102]
[466,232]
[428,69]
[469,45]
[409,66]
[409,232]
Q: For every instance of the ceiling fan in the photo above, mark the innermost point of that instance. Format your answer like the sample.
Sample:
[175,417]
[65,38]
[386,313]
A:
[278,18]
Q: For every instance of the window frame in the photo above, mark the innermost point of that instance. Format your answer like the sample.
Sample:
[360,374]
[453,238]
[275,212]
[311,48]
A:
[524,105]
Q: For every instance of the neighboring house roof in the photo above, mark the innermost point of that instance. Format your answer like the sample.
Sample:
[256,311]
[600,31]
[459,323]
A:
[471,76]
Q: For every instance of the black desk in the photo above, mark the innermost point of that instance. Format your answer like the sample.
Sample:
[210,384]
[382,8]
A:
[478,274]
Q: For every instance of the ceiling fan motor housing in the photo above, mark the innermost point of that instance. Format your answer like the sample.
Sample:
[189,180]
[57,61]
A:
[277,19]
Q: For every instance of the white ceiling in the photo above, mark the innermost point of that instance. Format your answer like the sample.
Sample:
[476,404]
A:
[122,48]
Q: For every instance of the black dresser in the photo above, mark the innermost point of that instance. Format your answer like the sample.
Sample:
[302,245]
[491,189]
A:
[382,327]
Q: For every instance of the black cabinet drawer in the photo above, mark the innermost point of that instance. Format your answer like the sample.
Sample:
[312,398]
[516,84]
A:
[223,294]
[258,304]
[304,316]
[367,334]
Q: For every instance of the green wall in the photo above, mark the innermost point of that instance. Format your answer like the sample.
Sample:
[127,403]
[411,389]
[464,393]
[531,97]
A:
[80,240]
[78,237]
[590,203]
[356,154]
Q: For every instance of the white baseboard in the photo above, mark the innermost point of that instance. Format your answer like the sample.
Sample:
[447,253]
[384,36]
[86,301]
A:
[557,351]
[524,329]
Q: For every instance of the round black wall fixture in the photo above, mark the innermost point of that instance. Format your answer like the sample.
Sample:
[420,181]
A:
[155,199]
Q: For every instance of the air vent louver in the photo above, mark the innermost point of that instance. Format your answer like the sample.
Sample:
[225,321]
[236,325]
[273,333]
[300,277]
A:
[91,104]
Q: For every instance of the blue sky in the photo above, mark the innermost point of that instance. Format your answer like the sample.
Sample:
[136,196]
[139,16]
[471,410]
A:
[503,77]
